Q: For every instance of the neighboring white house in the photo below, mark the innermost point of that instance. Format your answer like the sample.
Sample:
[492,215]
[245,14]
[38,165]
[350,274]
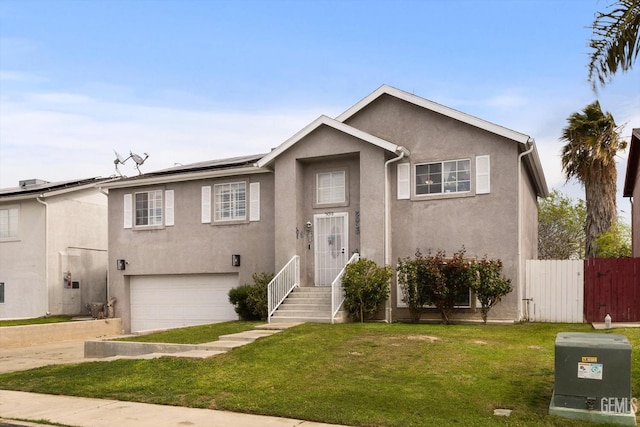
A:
[53,248]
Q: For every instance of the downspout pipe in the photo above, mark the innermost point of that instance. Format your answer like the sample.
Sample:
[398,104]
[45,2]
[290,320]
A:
[387,219]
[521,288]
[46,247]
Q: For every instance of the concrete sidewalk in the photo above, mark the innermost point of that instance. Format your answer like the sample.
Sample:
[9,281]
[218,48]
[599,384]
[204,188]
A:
[85,412]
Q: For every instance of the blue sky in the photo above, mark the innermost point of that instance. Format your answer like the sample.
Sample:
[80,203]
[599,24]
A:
[192,80]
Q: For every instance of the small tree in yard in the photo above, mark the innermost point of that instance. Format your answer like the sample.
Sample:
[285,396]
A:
[489,286]
[366,288]
[459,275]
[414,276]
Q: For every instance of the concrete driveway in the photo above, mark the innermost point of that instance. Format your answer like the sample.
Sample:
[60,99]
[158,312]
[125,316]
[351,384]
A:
[35,356]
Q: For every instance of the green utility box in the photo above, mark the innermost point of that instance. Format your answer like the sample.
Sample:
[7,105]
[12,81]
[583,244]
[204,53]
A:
[593,377]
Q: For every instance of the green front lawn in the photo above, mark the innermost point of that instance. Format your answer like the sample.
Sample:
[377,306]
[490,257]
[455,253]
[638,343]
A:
[356,374]
[35,321]
[195,334]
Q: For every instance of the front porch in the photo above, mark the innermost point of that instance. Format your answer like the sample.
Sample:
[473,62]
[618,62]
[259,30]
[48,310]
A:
[288,301]
[308,304]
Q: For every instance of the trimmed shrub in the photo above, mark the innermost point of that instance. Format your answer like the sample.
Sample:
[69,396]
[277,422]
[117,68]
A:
[238,297]
[250,300]
[490,285]
[435,280]
[459,275]
[366,288]
[258,298]
[414,277]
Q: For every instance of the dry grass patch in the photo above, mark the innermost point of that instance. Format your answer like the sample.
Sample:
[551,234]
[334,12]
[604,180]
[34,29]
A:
[427,338]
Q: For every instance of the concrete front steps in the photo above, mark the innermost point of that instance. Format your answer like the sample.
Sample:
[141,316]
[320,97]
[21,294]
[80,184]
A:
[112,350]
[308,304]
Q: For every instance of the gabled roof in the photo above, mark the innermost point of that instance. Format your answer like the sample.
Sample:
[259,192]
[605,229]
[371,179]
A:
[533,160]
[335,124]
[38,188]
[438,108]
[632,163]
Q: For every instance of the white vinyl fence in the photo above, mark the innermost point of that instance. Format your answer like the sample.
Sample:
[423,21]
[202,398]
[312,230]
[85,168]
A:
[555,291]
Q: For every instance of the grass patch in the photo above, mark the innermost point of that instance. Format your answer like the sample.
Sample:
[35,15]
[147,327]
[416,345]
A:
[35,321]
[195,334]
[356,374]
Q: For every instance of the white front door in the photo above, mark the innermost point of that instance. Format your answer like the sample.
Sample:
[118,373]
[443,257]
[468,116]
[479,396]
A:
[331,245]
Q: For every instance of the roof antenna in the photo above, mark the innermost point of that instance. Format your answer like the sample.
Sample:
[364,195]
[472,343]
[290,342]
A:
[139,160]
[119,160]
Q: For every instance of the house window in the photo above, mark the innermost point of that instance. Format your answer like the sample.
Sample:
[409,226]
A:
[463,300]
[330,187]
[148,208]
[230,201]
[1,292]
[443,177]
[9,221]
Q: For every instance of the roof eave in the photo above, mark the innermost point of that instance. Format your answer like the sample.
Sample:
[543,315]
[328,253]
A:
[535,165]
[326,121]
[44,193]
[186,176]
[433,106]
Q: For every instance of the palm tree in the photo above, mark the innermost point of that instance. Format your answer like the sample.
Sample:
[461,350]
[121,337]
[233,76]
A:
[615,41]
[592,141]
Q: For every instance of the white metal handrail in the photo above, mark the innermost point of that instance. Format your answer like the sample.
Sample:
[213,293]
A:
[337,290]
[282,284]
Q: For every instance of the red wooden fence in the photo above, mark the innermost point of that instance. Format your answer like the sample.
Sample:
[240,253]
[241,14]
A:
[612,286]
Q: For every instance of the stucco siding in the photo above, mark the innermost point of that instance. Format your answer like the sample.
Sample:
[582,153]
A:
[189,246]
[23,265]
[485,224]
[329,150]
[77,244]
[67,232]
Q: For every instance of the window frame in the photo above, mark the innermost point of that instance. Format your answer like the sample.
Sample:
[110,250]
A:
[442,183]
[331,203]
[16,236]
[3,289]
[158,204]
[234,219]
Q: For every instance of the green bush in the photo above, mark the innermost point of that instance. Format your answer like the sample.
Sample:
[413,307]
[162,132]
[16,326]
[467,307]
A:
[250,300]
[366,288]
[238,297]
[459,274]
[490,286]
[414,277]
[258,297]
[435,280]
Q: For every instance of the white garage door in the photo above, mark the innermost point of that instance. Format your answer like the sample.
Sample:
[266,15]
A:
[163,302]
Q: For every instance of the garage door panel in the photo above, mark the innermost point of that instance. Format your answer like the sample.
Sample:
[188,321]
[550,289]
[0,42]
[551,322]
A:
[162,302]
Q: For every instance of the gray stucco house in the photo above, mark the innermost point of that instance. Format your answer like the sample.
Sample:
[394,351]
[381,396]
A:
[393,173]
[53,248]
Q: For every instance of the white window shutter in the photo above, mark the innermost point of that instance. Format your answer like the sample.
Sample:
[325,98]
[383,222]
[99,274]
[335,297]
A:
[254,201]
[483,175]
[404,181]
[168,208]
[206,205]
[128,211]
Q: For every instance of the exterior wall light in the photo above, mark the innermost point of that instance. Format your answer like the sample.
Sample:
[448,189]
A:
[235,260]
